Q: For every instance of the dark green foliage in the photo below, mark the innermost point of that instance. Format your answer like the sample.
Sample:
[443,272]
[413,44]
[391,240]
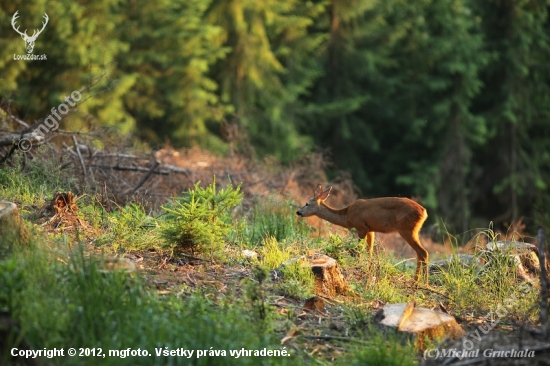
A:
[444,100]
[201,218]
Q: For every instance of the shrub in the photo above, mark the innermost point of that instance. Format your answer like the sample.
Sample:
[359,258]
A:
[201,218]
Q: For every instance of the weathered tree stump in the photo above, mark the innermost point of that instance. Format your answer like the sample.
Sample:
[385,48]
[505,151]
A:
[12,230]
[524,257]
[329,279]
[421,323]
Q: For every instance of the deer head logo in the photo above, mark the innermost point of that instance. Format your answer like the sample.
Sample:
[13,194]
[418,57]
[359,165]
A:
[29,41]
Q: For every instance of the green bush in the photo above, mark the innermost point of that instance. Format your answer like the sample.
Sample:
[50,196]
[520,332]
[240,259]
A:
[201,218]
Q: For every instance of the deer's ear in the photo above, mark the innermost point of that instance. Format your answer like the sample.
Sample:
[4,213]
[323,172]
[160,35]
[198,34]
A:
[318,191]
[325,194]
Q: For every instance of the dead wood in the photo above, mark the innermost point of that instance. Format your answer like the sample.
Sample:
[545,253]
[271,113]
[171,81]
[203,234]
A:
[128,168]
[12,230]
[421,323]
[79,156]
[133,190]
[329,279]
[524,257]
[14,138]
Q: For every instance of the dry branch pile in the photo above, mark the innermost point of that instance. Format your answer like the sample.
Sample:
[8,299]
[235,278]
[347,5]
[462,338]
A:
[122,175]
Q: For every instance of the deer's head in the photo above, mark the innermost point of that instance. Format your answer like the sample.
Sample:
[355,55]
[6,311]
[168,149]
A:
[29,40]
[313,204]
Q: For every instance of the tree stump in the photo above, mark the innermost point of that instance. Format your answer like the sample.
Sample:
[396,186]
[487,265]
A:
[329,279]
[12,230]
[524,257]
[421,323]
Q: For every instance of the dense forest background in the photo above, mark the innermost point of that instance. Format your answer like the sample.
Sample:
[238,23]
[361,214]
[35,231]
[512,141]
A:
[444,100]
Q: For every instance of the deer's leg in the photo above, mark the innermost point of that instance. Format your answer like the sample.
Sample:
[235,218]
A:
[365,232]
[370,242]
[421,253]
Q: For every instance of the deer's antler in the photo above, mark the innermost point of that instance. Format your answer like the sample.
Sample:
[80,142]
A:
[13,19]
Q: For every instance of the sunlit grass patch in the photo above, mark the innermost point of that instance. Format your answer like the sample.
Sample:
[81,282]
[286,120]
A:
[31,182]
[128,228]
[273,217]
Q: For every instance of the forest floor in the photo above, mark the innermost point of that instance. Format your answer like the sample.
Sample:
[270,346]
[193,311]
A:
[114,221]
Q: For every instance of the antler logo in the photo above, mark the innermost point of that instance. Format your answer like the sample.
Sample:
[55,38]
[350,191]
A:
[29,41]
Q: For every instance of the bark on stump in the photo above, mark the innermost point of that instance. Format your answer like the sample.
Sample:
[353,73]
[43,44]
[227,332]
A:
[329,279]
[421,323]
[524,257]
[12,230]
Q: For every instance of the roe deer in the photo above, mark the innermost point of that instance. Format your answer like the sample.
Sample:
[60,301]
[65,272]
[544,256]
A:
[382,215]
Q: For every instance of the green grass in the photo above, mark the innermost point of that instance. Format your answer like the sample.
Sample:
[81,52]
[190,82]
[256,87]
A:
[128,228]
[56,289]
[29,182]
[275,218]
[80,306]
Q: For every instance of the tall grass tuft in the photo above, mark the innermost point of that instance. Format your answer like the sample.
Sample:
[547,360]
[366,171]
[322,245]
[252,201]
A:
[275,218]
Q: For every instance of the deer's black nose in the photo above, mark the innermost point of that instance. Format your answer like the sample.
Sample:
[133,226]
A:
[298,213]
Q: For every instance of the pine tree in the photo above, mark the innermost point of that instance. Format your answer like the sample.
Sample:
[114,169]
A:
[268,67]
[515,102]
[171,52]
[74,62]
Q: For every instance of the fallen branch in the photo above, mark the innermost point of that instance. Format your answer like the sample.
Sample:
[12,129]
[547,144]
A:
[195,258]
[129,168]
[79,156]
[176,169]
[326,337]
[14,138]
[131,191]
[420,287]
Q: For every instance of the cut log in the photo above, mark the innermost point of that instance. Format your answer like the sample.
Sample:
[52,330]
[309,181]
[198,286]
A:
[329,279]
[12,231]
[524,257]
[421,323]
[405,315]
